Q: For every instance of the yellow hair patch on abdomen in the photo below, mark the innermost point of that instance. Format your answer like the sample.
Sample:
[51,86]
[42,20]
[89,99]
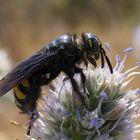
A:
[19,93]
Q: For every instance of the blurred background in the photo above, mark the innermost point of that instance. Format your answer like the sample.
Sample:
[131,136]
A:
[27,25]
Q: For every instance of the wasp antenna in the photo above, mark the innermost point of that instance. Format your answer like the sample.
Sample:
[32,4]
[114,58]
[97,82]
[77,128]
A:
[107,60]
[102,60]
[109,63]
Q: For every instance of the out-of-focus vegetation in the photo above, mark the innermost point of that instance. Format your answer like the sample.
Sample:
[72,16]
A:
[31,23]
[27,25]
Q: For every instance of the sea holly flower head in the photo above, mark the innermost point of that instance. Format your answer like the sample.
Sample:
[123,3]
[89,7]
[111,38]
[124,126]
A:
[108,113]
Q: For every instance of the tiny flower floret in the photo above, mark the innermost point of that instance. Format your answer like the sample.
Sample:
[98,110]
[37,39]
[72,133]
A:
[78,114]
[107,46]
[118,59]
[97,122]
[138,91]
[103,95]
[128,50]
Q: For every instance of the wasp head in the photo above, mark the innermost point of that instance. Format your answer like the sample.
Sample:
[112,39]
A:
[92,49]
[91,45]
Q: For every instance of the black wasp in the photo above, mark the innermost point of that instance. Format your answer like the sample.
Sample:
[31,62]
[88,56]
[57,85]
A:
[62,54]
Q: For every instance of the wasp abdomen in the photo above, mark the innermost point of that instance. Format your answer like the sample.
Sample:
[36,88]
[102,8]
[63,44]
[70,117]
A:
[22,92]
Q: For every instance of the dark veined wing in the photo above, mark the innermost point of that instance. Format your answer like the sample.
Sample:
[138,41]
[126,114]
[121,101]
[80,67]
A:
[25,69]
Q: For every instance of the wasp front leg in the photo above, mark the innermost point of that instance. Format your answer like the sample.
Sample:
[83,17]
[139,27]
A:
[70,73]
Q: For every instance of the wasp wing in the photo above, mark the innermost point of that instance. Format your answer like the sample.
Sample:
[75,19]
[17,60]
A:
[25,69]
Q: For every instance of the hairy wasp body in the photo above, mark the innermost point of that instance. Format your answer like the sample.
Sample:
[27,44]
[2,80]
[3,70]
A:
[41,68]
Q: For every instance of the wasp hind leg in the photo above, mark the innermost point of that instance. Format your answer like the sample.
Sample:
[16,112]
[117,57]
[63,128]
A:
[33,117]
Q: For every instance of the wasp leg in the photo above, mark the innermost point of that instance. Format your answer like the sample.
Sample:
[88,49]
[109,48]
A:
[75,88]
[34,116]
[70,75]
[83,77]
